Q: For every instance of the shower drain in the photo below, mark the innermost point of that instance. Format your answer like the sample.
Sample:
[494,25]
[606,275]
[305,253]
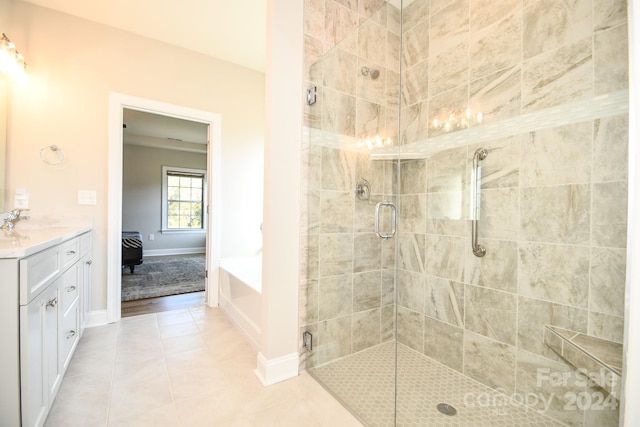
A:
[446,409]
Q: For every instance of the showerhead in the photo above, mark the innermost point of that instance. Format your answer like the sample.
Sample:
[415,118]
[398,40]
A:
[371,72]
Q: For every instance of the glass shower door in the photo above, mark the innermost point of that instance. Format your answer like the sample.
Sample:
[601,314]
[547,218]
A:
[348,292]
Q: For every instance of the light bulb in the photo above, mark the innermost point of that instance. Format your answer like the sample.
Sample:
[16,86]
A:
[435,123]
[479,117]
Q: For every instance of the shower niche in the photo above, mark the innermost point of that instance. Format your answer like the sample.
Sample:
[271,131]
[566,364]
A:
[413,328]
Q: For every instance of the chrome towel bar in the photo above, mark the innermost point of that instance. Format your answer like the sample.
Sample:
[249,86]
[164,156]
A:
[480,154]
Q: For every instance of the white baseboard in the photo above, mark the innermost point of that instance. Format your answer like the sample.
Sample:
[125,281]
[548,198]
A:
[179,251]
[97,318]
[276,370]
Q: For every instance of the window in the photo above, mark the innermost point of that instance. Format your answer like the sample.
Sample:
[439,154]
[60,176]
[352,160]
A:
[183,199]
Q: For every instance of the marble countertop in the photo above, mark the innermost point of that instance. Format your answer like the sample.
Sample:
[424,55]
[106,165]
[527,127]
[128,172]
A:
[22,242]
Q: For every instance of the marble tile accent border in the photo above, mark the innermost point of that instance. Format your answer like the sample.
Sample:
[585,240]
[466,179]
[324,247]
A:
[602,106]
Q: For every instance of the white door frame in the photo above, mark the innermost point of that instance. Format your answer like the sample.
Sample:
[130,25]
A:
[117,103]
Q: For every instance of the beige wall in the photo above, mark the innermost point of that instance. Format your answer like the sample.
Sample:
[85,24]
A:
[73,66]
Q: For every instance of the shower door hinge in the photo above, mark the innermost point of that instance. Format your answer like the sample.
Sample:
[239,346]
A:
[206,273]
[307,340]
[311,96]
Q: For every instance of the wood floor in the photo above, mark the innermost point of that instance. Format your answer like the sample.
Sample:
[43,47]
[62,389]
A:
[156,305]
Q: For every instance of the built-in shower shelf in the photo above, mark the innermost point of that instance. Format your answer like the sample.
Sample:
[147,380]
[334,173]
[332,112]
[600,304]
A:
[599,359]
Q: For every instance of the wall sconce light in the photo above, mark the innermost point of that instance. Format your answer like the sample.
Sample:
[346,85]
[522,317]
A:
[11,61]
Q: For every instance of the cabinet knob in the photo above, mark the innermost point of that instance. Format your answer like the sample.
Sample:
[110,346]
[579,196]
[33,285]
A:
[52,302]
[71,289]
[89,262]
[71,253]
[71,334]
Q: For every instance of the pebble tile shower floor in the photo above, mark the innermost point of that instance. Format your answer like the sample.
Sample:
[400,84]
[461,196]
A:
[364,381]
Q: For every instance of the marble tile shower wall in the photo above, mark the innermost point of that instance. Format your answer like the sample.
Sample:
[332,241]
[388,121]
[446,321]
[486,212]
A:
[553,210]
[553,202]
[347,282]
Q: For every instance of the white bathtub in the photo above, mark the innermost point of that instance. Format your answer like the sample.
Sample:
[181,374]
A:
[241,294]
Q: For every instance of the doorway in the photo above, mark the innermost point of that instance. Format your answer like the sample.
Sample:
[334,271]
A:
[118,104]
[164,198]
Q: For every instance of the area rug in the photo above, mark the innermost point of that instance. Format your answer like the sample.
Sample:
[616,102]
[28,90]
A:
[164,275]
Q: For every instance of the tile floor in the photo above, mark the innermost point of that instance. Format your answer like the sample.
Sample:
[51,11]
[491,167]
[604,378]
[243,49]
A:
[182,368]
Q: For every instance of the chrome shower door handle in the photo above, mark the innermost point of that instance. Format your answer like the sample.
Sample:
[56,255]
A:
[379,207]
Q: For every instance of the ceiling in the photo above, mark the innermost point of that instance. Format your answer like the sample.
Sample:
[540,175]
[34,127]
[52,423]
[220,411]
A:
[231,30]
[157,131]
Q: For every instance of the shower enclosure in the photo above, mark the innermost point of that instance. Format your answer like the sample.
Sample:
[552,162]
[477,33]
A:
[466,195]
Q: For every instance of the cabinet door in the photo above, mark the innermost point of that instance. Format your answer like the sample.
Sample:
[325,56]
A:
[39,356]
[51,326]
[85,291]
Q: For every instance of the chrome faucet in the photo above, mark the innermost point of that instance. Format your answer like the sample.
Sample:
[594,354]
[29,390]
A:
[13,217]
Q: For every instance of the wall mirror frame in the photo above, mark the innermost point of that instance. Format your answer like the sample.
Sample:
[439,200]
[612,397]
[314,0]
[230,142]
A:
[4,111]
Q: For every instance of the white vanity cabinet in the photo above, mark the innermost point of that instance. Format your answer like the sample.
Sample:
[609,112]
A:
[39,373]
[51,286]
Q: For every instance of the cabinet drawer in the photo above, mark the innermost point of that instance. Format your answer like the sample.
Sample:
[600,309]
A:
[69,253]
[69,334]
[37,272]
[69,287]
